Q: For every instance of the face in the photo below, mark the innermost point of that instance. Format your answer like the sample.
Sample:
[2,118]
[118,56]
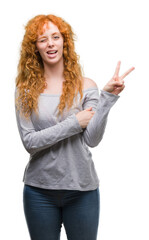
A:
[50,41]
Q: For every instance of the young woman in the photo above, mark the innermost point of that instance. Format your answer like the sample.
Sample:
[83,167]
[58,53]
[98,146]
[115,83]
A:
[60,113]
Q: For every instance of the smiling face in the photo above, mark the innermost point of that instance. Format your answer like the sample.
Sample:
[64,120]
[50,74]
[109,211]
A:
[50,41]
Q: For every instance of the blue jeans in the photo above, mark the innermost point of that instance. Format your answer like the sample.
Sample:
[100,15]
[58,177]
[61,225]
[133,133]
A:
[45,211]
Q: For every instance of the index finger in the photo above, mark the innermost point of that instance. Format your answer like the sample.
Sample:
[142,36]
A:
[127,72]
[117,69]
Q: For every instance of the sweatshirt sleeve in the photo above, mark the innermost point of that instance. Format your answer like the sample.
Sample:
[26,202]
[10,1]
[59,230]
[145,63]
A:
[35,141]
[101,104]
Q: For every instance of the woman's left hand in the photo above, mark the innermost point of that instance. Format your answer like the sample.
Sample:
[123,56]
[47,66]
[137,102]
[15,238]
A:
[116,84]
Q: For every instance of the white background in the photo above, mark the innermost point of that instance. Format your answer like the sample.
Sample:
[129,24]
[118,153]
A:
[107,31]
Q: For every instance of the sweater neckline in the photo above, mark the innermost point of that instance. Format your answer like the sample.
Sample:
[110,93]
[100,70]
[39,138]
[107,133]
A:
[56,95]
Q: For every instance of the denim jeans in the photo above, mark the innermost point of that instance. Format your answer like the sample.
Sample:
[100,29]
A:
[45,210]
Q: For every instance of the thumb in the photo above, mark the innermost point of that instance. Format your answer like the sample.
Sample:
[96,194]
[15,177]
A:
[88,108]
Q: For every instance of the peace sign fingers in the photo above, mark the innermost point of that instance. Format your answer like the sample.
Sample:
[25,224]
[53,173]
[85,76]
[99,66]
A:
[126,73]
[116,83]
[117,70]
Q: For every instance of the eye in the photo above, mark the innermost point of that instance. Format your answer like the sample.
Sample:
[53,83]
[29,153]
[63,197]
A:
[42,40]
[56,37]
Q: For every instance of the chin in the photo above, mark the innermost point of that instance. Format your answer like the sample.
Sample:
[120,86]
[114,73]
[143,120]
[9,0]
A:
[56,60]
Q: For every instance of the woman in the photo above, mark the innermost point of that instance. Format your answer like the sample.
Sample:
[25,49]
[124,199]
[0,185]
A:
[59,114]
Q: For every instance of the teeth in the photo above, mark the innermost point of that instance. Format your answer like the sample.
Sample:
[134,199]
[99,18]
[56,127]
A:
[52,52]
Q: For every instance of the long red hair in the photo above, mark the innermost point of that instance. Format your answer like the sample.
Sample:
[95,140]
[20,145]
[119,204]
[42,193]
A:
[30,81]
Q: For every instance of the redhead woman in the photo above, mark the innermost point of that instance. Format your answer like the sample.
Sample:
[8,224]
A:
[60,114]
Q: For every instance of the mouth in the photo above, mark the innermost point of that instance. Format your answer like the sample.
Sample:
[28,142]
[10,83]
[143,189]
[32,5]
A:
[52,53]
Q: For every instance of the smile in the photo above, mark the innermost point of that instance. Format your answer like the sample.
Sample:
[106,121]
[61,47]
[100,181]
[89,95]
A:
[52,54]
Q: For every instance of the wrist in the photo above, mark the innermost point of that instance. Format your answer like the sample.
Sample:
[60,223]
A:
[110,93]
[106,90]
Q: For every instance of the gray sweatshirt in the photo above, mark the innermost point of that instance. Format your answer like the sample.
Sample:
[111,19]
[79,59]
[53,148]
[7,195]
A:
[59,147]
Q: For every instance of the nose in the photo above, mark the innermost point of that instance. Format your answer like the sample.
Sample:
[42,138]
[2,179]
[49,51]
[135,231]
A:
[50,42]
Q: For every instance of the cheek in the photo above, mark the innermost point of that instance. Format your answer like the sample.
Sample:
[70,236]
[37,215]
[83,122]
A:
[42,51]
[41,47]
[60,44]
[61,47]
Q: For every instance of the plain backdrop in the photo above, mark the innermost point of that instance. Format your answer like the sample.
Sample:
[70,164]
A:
[107,31]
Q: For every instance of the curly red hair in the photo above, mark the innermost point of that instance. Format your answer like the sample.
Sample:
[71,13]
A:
[30,80]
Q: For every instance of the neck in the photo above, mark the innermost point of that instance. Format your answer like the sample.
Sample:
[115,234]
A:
[54,72]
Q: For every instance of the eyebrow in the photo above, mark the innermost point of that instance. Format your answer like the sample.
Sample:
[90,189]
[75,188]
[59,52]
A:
[52,34]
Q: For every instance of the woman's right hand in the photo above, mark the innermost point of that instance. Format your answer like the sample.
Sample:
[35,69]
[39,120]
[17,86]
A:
[85,116]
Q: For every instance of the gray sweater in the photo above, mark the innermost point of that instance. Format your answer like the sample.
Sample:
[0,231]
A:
[59,147]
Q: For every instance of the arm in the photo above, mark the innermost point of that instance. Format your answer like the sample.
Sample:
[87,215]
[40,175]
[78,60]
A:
[35,141]
[101,104]
[109,95]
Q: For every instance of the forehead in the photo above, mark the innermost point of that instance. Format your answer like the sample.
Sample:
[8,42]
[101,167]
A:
[50,28]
